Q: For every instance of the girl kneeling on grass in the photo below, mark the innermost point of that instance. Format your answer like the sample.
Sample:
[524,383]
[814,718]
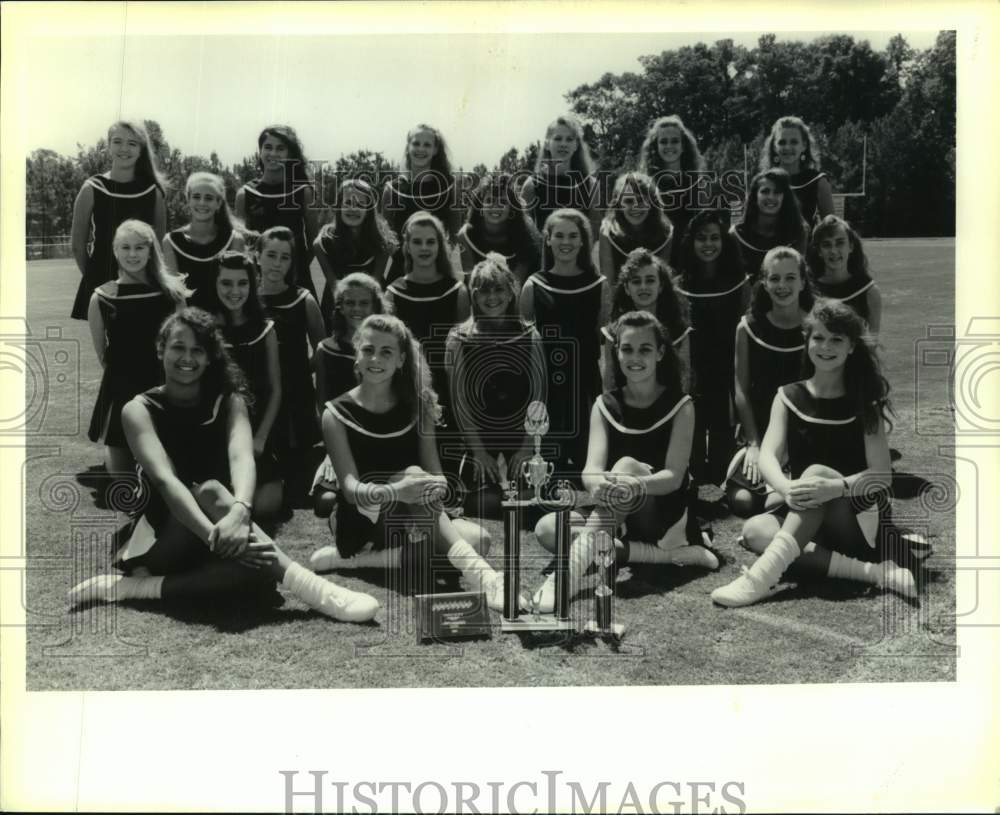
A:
[643,430]
[830,428]
[380,437]
[195,540]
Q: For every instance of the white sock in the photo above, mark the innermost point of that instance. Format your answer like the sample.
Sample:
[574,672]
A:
[329,558]
[848,568]
[648,553]
[327,597]
[308,586]
[112,588]
[582,552]
[470,563]
[781,552]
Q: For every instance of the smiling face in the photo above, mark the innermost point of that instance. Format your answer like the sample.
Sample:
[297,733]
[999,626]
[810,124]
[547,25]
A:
[783,282]
[769,198]
[356,303]
[132,253]
[273,151]
[638,353]
[203,202]
[495,209]
[233,288]
[561,143]
[643,287]
[564,239]
[275,260]
[378,356]
[634,208]
[421,149]
[422,246]
[354,206]
[828,351]
[670,146]
[491,299]
[707,243]
[789,148]
[184,358]
[125,147]
[835,250]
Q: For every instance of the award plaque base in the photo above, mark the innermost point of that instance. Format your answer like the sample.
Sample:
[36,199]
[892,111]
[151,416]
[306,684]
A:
[530,622]
[616,630]
[452,616]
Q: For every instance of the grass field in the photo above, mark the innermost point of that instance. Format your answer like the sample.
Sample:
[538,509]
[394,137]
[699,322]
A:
[827,632]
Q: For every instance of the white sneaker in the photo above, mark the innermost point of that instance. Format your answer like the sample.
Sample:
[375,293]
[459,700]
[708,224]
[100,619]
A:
[545,598]
[491,583]
[102,588]
[743,591]
[694,556]
[897,579]
[346,605]
[325,559]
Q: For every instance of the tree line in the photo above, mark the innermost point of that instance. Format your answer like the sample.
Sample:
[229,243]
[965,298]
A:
[900,101]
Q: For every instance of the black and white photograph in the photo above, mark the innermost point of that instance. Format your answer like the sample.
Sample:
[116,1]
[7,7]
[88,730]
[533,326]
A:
[478,370]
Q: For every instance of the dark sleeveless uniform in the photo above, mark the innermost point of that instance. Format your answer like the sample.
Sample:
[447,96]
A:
[853,292]
[805,185]
[677,194]
[114,202]
[775,357]
[554,192]
[270,205]
[621,245]
[382,444]
[296,426]
[132,314]
[567,313]
[198,261]
[431,193]
[337,362]
[247,345]
[474,247]
[429,310]
[644,434]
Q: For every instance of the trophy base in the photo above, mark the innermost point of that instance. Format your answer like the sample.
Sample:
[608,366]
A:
[531,622]
[616,630]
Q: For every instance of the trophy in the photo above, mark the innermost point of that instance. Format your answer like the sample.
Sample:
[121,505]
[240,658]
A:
[536,472]
[602,624]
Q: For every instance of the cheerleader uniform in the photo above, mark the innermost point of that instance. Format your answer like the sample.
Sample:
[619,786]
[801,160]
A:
[621,245]
[428,194]
[270,205]
[852,291]
[196,440]
[644,434]
[826,431]
[342,268]
[474,247]
[495,372]
[337,362]
[567,313]
[805,185]
[429,310]
[382,445]
[198,261]
[114,202]
[296,425]
[554,192]
[753,248]
[132,314]
[247,345]
[714,317]
[676,194]
[775,358]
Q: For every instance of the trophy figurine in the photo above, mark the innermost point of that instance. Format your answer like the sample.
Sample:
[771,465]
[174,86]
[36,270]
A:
[536,472]
[603,623]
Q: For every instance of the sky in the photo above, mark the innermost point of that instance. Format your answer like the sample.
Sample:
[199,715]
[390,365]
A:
[485,92]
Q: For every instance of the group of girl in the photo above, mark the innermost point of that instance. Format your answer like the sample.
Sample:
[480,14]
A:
[450,375]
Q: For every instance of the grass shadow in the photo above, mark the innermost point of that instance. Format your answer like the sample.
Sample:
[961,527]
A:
[907,485]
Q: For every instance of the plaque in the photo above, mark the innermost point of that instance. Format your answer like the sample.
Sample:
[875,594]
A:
[451,616]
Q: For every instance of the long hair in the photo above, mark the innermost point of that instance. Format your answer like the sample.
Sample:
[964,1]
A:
[671,307]
[145,166]
[441,163]
[412,382]
[864,383]
[252,308]
[159,274]
[284,234]
[493,272]
[791,227]
[649,155]
[296,153]
[857,263]
[222,376]
[580,162]
[760,300]
[728,266]
[358,280]
[653,231]
[225,221]
[670,368]
[521,231]
[584,258]
[442,261]
[375,235]
[769,153]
